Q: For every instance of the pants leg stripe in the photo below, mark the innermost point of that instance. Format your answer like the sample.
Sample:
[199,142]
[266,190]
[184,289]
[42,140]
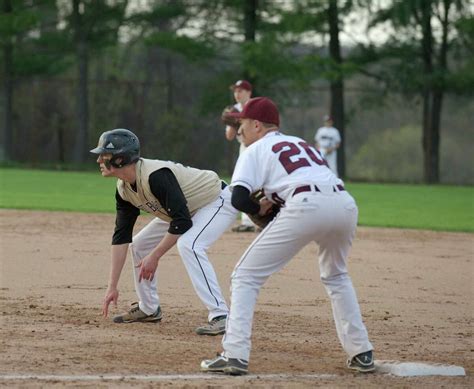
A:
[197,258]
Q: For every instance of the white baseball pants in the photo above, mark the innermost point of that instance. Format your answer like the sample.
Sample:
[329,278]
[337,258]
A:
[209,223]
[329,219]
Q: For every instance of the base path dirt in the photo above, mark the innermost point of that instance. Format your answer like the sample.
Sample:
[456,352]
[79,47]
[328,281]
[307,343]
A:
[415,289]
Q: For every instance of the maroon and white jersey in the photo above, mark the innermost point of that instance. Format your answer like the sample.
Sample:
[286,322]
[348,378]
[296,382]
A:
[279,164]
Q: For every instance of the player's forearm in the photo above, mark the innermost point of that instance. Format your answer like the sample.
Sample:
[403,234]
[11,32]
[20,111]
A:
[241,200]
[119,255]
[168,241]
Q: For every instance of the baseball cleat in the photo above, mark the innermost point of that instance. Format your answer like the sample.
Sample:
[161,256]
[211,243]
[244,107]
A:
[137,315]
[243,228]
[222,364]
[363,363]
[215,327]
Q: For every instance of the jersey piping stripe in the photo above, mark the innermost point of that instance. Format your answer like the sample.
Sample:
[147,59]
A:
[194,252]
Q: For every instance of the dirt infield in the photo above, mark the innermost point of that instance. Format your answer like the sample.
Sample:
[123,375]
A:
[415,289]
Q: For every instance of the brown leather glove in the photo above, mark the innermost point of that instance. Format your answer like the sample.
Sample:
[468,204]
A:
[259,220]
[229,120]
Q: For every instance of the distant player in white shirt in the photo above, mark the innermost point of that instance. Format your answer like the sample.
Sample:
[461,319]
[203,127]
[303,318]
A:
[327,141]
[315,208]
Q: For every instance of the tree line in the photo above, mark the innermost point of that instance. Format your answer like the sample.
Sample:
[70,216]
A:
[144,49]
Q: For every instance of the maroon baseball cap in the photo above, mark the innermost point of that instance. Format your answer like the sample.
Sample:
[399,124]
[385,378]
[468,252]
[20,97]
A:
[261,109]
[244,84]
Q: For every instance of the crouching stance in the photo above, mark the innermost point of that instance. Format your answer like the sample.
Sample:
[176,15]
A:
[192,208]
[315,207]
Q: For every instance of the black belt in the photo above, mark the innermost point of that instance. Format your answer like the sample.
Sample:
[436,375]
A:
[308,188]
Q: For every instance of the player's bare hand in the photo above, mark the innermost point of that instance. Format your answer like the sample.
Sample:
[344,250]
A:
[230,133]
[265,207]
[148,267]
[111,296]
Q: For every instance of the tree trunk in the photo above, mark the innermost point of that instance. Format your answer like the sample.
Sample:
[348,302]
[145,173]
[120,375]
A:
[434,90]
[250,8]
[250,28]
[82,109]
[430,138]
[6,151]
[250,19]
[435,121]
[432,174]
[337,85]
[169,84]
[60,139]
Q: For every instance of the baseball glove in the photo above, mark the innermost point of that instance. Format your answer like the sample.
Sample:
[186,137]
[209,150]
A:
[229,120]
[262,221]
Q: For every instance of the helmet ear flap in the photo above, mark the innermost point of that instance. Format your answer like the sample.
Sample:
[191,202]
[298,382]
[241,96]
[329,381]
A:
[118,161]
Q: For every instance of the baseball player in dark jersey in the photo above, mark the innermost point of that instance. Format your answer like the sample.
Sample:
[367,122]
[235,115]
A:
[192,209]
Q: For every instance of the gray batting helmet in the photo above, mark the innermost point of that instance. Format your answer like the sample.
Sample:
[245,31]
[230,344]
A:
[122,144]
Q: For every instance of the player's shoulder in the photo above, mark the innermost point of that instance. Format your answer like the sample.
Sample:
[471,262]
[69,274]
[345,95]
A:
[264,142]
[120,187]
[276,137]
[290,138]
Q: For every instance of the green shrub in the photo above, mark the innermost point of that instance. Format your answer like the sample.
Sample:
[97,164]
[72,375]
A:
[393,155]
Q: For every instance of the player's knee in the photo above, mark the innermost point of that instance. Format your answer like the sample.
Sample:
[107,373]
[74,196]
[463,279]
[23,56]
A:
[246,280]
[134,252]
[184,245]
[333,279]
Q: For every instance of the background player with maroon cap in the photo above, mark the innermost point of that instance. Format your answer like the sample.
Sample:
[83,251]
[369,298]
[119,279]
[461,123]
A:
[314,207]
[242,93]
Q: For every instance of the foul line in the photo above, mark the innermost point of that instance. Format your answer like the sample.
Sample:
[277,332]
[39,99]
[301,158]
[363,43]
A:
[396,368]
[163,377]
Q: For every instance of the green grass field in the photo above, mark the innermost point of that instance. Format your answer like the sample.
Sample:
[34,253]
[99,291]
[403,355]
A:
[447,208]
[56,190]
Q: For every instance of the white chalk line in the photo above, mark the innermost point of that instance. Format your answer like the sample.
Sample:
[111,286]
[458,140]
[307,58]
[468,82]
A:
[396,368]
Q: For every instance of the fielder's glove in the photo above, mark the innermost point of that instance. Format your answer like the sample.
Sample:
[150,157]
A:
[229,120]
[262,221]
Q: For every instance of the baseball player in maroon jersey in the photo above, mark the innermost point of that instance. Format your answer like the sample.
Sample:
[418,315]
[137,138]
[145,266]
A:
[315,208]
[192,209]
[242,90]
